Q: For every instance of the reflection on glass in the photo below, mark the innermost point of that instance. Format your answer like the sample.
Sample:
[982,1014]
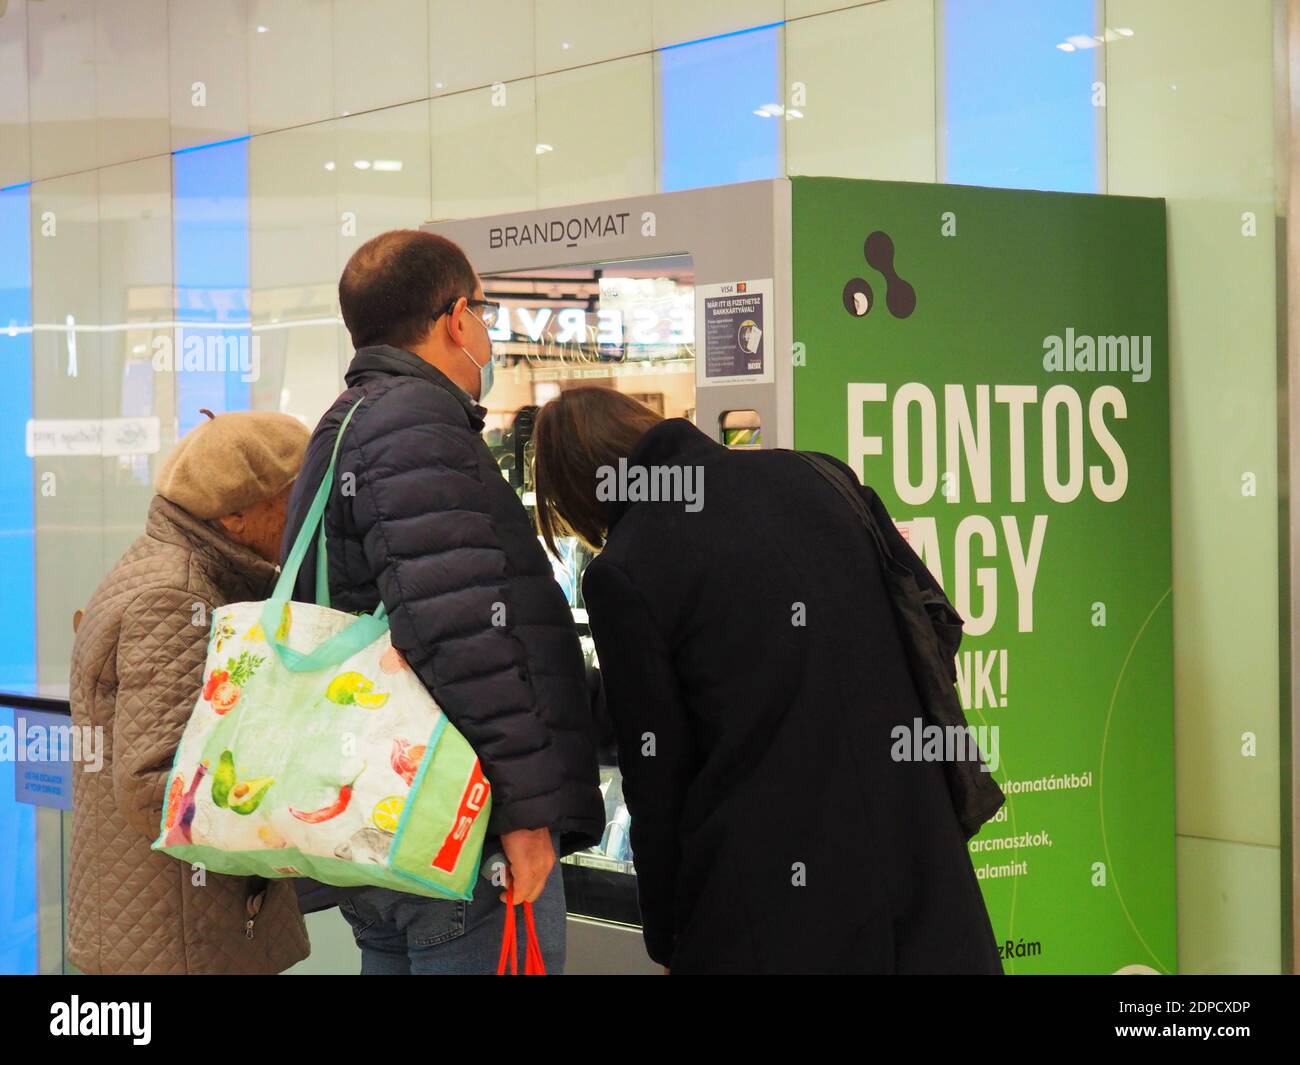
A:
[623,325]
[17,547]
[721,109]
[1018,93]
[18,934]
[218,357]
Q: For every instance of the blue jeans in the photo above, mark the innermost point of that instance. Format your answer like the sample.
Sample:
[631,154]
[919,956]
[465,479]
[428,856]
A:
[403,935]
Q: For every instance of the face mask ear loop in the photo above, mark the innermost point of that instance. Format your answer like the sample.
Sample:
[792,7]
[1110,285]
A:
[485,368]
[480,321]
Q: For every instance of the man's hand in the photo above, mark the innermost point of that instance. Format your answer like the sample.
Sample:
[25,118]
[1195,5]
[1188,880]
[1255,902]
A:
[530,857]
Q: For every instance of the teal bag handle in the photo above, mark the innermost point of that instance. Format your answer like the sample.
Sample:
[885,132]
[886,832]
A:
[364,631]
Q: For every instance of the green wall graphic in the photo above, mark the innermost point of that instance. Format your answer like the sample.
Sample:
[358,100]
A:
[995,364]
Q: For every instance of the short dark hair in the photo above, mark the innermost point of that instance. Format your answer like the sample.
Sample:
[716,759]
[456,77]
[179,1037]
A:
[396,282]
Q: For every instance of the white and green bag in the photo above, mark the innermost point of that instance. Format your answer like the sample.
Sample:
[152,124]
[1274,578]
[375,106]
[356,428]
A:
[314,750]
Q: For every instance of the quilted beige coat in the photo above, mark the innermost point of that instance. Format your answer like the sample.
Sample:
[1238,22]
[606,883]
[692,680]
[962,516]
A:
[137,668]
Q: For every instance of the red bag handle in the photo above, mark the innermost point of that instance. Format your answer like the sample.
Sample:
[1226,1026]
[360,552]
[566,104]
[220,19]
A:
[533,964]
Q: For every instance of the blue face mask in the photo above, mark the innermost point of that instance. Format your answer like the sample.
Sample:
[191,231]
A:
[484,371]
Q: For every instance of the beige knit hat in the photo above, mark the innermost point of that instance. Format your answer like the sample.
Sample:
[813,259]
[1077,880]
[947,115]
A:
[232,461]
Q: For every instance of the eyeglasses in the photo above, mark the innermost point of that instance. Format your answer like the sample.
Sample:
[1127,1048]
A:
[489,310]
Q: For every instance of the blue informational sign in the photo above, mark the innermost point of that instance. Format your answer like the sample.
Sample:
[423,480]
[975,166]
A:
[42,747]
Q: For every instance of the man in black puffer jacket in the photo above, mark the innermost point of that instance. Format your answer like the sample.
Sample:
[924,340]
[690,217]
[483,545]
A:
[422,518]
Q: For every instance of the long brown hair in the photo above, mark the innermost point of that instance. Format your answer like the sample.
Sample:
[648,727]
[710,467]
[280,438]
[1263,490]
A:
[574,435]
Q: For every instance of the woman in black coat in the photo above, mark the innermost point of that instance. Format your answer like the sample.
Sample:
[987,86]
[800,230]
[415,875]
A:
[754,673]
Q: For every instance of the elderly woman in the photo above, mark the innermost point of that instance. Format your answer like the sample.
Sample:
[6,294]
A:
[212,537]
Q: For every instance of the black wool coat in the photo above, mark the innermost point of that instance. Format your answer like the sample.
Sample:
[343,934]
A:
[430,526]
[754,672]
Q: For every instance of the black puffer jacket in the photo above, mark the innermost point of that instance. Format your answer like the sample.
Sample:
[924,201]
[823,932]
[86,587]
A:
[430,525]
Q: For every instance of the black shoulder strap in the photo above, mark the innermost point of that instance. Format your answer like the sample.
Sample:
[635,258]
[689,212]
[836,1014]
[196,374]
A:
[849,490]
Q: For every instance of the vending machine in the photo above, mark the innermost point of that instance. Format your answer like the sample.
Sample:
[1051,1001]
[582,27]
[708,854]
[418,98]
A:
[995,363]
[681,300]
